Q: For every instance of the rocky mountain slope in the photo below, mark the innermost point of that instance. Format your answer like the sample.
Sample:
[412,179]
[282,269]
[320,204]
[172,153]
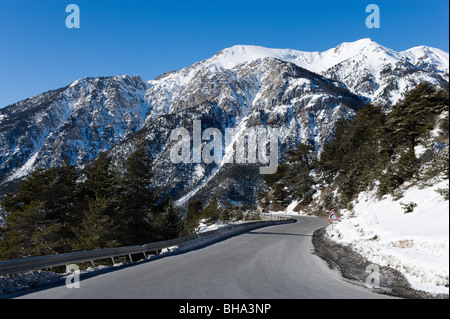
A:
[301,94]
[75,122]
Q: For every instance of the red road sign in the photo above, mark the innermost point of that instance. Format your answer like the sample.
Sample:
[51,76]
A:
[333,217]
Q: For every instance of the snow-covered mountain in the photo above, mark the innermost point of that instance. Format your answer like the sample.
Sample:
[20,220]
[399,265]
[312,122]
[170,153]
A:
[365,67]
[267,92]
[75,122]
[427,58]
[302,94]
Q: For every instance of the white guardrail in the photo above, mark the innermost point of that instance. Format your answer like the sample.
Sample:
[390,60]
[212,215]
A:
[24,265]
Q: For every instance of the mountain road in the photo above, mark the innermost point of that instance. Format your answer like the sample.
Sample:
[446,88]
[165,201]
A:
[276,262]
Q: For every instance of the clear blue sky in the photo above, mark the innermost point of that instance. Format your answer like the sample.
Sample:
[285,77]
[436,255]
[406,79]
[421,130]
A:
[148,38]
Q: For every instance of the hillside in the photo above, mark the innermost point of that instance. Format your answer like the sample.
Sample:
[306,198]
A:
[91,165]
[387,177]
[302,94]
[414,243]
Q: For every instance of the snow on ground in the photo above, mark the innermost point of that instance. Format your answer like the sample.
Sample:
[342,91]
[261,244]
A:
[290,210]
[21,282]
[204,227]
[416,244]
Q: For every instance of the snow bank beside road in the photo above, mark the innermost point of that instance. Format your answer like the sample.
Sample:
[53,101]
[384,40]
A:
[204,227]
[416,243]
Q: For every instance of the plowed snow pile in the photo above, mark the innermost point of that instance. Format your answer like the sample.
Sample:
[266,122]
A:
[414,243]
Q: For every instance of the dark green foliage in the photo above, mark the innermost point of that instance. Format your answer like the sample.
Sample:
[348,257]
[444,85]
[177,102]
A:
[293,179]
[44,215]
[97,229]
[100,180]
[226,213]
[54,213]
[193,217]
[211,213]
[21,233]
[444,192]
[351,160]
[374,148]
[171,223]
[329,202]
[137,205]
[416,114]
[444,126]
[409,207]
[409,123]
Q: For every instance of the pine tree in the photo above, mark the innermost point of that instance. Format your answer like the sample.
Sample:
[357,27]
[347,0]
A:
[226,213]
[32,189]
[212,212]
[26,216]
[171,225]
[101,204]
[412,117]
[19,232]
[137,203]
[43,215]
[193,217]
[100,181]
[97,230]
[62,215]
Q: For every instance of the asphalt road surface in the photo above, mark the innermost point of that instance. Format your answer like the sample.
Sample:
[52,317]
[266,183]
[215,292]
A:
[275,262]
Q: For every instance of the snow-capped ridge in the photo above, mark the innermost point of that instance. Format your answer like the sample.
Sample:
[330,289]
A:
[233,56]
[421,55]
[364,66]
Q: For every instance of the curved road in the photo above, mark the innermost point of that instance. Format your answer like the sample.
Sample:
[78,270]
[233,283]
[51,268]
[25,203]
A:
[275,262]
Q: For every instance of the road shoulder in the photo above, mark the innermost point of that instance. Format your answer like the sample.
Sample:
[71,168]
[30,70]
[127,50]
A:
[353,267]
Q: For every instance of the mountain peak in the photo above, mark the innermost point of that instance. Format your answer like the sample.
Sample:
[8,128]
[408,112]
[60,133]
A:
[360,42]
[421,55]
[314,61]
[230,57]
[358,65]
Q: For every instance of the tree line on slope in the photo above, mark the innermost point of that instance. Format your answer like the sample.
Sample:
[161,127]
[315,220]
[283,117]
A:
[63,210]
[374,148]
[53,212]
